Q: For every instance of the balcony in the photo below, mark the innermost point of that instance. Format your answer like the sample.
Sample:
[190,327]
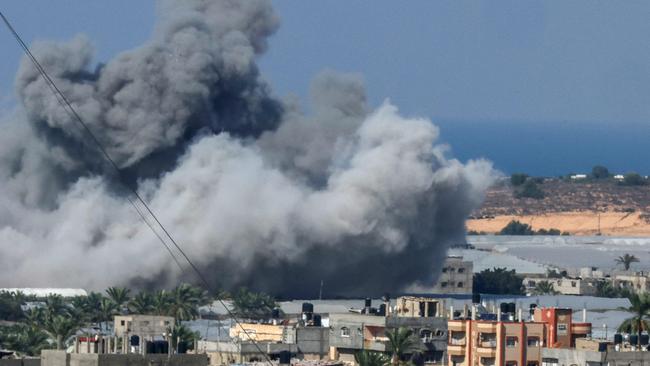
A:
[456,350]
[489,344]
[486,352]
[457,325]
[490,327]
[457,341]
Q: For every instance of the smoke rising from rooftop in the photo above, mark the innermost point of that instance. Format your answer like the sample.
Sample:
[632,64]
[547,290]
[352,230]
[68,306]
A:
[257,192]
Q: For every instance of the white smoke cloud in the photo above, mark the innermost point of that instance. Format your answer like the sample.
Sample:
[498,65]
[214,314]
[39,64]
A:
[255,191]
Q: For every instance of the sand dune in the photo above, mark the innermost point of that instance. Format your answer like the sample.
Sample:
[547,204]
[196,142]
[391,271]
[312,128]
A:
[575,223]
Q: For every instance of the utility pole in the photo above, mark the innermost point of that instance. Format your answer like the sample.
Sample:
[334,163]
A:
[320,292]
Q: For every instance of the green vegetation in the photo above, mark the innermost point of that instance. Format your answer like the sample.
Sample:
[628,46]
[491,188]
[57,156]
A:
[518,179]
[498,281]
[605,289]
[371,358]
[544,288]
[401,341]
[50,322]
[516,227]
[529,189]
[640,307]
[599,172]
[626,260]
[250,305]
[633,179]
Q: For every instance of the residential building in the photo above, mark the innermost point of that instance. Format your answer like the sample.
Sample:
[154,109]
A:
[133,332]
[303,342]
[61,358]
[511,343]
[351,333]
[594,352]
[634,281]
[456,277]
[565,285]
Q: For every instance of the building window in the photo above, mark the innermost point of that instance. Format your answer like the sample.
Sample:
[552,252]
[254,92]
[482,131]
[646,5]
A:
[533,341]
[511,363]
[122,322]
[443,284]
[531,283]
[532,363]
[345,332]
[460,284]
[444,270]
[573,283]
[511,341]
[452,270]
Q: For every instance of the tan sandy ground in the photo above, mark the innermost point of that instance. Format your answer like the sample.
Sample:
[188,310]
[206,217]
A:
[576,223]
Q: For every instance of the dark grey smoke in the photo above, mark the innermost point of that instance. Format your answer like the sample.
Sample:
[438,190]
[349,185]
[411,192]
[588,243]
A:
[257,192]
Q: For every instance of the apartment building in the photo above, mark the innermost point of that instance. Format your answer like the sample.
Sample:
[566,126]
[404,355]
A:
[478,342]
[456,277]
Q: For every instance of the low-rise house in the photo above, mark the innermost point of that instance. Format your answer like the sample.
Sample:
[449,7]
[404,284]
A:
[564,286]
[637,282]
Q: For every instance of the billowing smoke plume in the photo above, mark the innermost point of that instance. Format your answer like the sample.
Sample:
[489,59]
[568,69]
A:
[257,192]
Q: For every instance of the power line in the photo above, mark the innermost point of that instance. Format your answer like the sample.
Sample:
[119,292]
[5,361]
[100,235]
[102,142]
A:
[67,106]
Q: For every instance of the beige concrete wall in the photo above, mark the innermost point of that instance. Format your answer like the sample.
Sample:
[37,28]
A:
[21,362]
[258,332]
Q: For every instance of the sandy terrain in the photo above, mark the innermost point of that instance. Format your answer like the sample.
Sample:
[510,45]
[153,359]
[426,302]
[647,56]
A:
[576,223]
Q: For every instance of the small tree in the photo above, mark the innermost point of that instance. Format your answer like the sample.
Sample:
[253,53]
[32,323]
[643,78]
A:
[599,172]
[529,190]
[515,227]
[626,260]
[517,179]
[633,179]
[498,281]
[251,305]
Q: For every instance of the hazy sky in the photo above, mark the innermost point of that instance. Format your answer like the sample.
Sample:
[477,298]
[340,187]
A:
[544,87]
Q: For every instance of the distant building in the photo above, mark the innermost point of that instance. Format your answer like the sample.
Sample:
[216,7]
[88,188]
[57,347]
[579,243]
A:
[637,282]
[512,342]
[579,176]
[564,286]
[596,352]
[456,277]
[45,292]
[133,332]
[619,177]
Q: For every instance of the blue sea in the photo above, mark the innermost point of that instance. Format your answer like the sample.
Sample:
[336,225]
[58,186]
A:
[551,149]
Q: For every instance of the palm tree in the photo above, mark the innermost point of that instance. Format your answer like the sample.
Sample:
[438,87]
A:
[184,302]
[252,305]
[626,260]
[61,328]
[641,310]
[544,288]
[370,358]
[161,302]
[107,308]
[184,335]
[119,295]
[142,303]
[55,305]
[26,339]
[401,342]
